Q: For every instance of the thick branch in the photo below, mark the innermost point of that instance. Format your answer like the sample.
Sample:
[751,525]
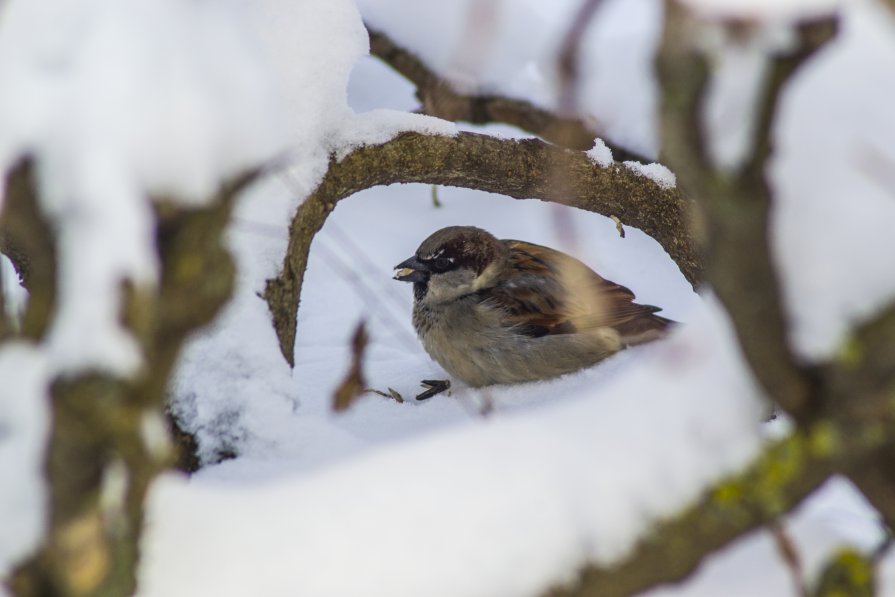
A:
[27,239]
[735,206]
[860,383]
[518,168]
[439,99]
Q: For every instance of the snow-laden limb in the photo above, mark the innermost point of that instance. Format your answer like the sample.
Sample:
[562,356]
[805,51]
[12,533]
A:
[130,127]
[510,506]
[521,169]
[116,103]
[311,48]
[24,420]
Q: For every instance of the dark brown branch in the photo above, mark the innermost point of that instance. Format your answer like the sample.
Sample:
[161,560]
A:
[521,169]
[735,206]
[859,391]
[439,99]
[27,239]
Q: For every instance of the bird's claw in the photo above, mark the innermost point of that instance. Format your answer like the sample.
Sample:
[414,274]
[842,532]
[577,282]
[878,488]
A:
[433,387]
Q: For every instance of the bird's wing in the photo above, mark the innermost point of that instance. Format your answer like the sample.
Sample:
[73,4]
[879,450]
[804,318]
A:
[545,291]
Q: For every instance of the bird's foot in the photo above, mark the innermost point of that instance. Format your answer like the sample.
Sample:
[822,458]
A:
[433,387]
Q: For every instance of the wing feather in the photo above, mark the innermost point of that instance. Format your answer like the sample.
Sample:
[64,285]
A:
[545,292]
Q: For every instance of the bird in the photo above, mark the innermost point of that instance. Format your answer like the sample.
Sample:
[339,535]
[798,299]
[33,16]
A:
[493,311]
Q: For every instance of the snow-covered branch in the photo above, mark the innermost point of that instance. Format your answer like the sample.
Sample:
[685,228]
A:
[108,428]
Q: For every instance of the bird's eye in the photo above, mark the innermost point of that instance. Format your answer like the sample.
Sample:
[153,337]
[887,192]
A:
[443,264]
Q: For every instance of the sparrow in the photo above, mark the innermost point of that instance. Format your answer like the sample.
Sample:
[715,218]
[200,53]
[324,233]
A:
[495,311]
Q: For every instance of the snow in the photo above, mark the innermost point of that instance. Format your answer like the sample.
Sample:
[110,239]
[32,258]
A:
[600,154]
[378,126]
[24,419]
[311,47]
[658,173]
[423,511]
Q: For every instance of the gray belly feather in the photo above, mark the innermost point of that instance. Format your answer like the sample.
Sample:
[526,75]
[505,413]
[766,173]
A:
[470,341]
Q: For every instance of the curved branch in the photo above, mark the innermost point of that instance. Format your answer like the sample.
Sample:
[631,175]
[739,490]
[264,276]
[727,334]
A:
[521,169]
[439,99]
[27,239]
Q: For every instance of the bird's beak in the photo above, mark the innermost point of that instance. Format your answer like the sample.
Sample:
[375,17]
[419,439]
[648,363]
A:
[411,270]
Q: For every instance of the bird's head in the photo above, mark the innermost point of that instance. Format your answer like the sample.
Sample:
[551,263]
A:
[452,262]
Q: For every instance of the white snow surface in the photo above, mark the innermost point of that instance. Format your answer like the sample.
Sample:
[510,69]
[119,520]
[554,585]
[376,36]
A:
[24,419]
[600,154]
[658,173]
[835,193]
[381,125]
[493,507]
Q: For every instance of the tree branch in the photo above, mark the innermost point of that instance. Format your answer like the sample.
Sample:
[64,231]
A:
[108,430]
[27,239]
[518,168]
[439,99]
[735,206]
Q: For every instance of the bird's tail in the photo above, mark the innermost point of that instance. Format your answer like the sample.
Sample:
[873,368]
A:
[645,328]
